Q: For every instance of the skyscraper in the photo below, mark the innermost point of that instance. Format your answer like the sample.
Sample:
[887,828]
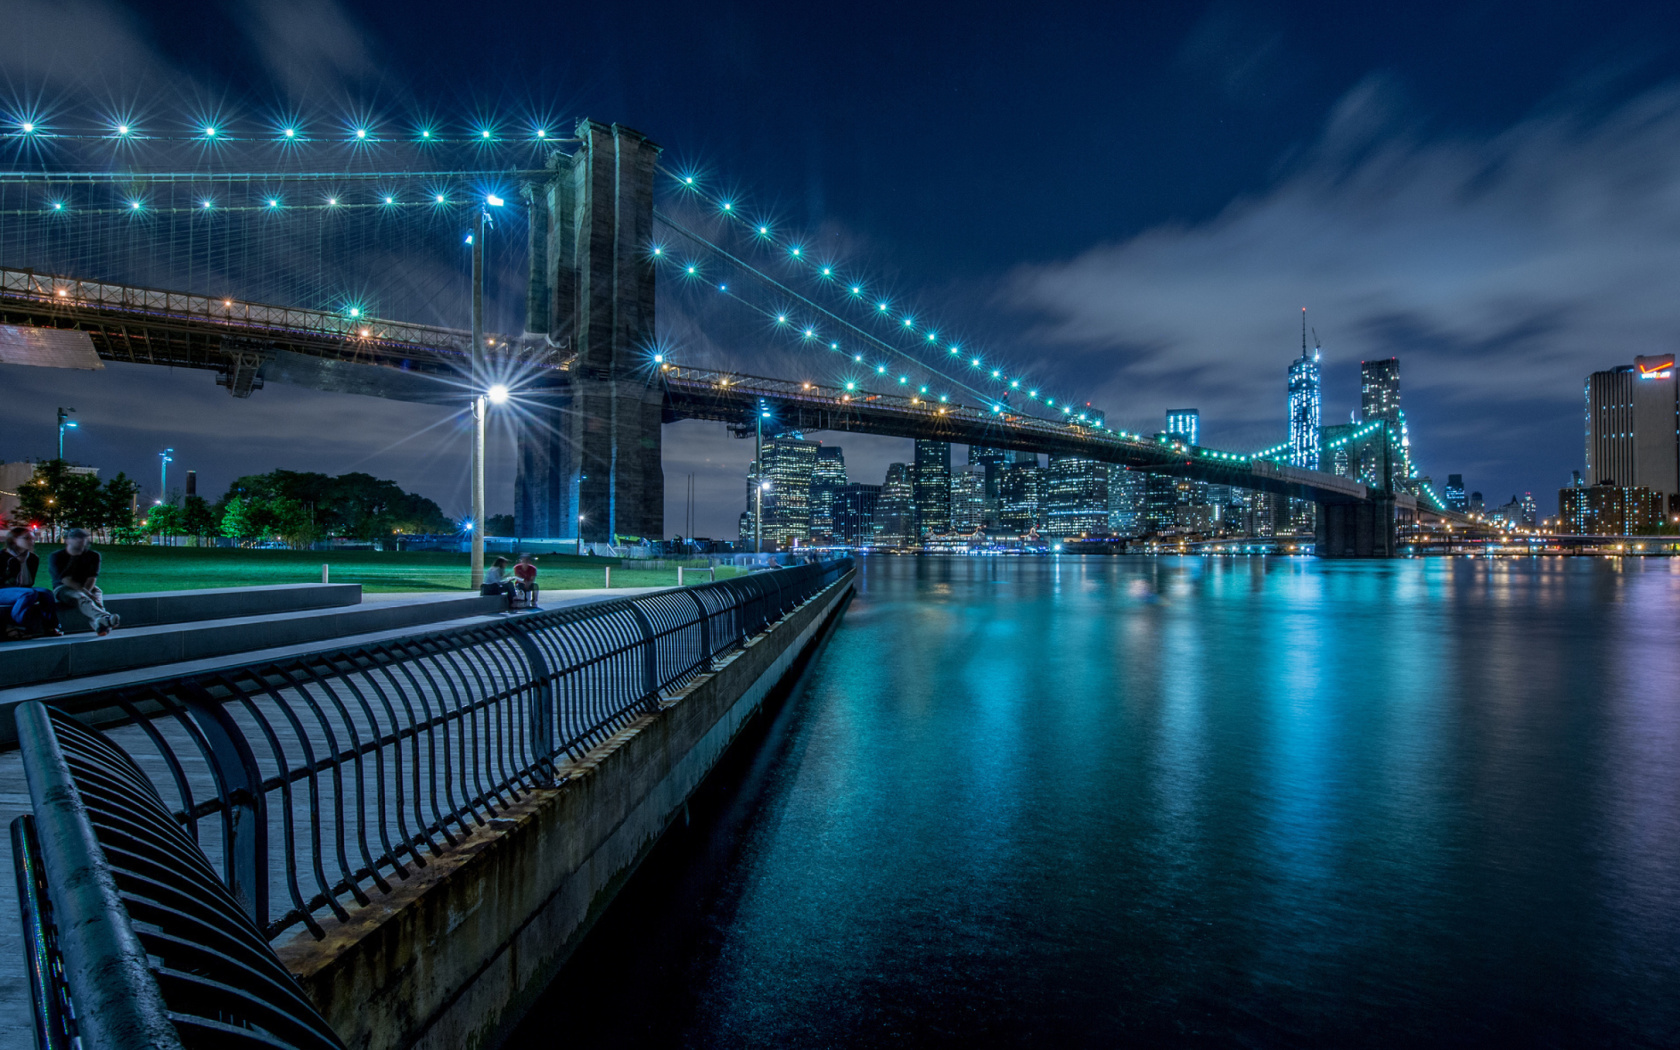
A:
[1379,390]
[1185,423]
[1456,499]
[932,487]
[1633,417]
[1125,501]
[1160,503]
[788,464]
[1304,404]
[1075,496]
[1018,493]
[895,515]
[968,499]
[828,478]
[990,461]
[855,514]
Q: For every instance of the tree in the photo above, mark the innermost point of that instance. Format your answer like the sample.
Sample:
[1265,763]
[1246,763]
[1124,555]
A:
[352,506]
[57,498]
[237,521]
[197,517]
[116,502]
[499,525]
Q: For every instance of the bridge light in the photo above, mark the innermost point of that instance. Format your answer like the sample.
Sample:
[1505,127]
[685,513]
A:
[764,231]
[996,373]
[974,362]
[827,272]
[942,398]
[923,390]
[1015,384]
[440,198]
[851,386]
[389,200]
[834,346]
[209,132]
[122,129]
[903,379]
[881,369]
[794,251]
[425,133]
[809,333]
[207,204]
[1032,393]
[781,318]
[691,269]
[290,133]
[908,324]
[498,394]
[361,133]
[728,206]
[856,290]
[857,357]
[58,205]
[953,351]
[656,251]
[365,333]
[272,203]
[658,359]
[931,338]
[882,307]
[542,133]
[355,311]
[28,128]
[494,201]
[484,134]
[135,205]
[332,202]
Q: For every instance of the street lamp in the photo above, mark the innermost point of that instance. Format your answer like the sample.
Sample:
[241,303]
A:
[480,222]
[758,516]
[64,423]
[167,456]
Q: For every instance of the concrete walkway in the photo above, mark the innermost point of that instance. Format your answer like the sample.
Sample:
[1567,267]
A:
[16,1023]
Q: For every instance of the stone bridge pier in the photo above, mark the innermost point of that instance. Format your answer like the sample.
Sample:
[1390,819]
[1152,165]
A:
[591,460]
[1366,528]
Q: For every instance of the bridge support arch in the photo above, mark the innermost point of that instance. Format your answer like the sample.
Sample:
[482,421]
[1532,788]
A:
[591,461]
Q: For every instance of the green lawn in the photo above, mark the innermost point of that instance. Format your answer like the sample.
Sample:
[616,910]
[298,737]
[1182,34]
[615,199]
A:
[125,570]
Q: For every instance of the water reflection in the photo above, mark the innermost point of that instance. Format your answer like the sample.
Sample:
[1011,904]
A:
[1224,802]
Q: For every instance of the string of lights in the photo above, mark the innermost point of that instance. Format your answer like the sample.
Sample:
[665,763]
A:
[29,128]
[899,322]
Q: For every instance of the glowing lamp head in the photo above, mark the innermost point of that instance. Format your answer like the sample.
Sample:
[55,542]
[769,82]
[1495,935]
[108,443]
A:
[273,203]
[390,200]
[439,198]
[498,394]
[122,129]
[209,132]
[542,133]
[361,133]
[494,201]
[658,359]
[355,311]
[28,128]
[484,134]
[290,133]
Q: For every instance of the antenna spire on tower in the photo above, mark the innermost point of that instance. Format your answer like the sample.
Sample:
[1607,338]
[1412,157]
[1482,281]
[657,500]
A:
[1303,331]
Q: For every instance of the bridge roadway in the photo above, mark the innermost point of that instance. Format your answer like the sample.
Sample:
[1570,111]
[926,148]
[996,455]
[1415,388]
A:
[239,339]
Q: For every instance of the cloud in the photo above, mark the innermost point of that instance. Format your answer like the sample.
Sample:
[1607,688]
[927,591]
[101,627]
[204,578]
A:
[1501,270]
[86,45]
[310,46]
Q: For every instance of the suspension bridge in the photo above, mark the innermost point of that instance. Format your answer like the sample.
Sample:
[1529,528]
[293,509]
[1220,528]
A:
[298,276]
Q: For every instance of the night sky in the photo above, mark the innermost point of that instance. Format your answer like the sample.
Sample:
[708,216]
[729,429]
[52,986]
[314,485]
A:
[1134,200]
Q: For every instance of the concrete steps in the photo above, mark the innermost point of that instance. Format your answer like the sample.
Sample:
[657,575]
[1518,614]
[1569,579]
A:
[77,655]
[218,603]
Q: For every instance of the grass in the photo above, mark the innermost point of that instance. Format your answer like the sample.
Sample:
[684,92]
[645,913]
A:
[126,570]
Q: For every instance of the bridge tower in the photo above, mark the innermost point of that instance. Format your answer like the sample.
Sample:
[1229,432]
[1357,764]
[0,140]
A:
[591,461]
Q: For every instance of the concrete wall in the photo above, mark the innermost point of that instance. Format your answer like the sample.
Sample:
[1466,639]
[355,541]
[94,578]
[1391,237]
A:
[456,954]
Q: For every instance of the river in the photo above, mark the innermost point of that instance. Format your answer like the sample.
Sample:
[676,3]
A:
[1211,802]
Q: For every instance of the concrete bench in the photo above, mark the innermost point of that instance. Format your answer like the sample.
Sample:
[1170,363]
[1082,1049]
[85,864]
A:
[217,603]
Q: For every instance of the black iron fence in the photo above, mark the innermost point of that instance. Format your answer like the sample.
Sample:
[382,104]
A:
[315,781]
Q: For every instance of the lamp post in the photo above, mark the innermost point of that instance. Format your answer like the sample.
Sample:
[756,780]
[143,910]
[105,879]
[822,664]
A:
[758,516]
[166,457]
[481,222]
[64,423]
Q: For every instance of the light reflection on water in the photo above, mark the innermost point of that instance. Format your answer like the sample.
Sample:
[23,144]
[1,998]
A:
[1224,802]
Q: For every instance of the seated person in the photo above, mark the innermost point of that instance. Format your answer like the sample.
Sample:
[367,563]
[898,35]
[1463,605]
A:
[526,572]
[26,611]
[19,563]
[75,577]
[496,581]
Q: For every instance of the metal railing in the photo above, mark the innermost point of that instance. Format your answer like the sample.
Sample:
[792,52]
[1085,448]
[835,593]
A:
[317,780]
[132,940]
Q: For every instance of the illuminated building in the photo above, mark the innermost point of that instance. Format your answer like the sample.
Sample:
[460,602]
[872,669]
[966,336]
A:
[1379,390]
[1456,499]
[1018,493]
[991,462]
[855,513]
[1160,503]
[1610,510]
[1633,426]
[931,485]
[1185,424]
[1075,496]
[895,514]
[828,479]
[1305,400]
[788,464]
[1125,501]
[968,499]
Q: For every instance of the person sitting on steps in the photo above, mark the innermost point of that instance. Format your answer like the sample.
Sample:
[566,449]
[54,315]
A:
[526,571]
[75,577]
[26,611]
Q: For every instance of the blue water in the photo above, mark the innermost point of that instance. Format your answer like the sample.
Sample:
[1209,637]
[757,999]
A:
[1242,802]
